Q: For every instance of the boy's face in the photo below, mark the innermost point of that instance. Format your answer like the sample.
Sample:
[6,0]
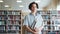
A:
[34,7]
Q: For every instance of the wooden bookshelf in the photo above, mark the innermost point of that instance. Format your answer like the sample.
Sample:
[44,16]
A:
[10,21]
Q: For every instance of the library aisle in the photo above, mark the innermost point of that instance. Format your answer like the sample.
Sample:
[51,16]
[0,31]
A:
[13,12]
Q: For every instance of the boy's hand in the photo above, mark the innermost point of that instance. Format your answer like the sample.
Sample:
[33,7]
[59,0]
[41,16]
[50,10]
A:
[36,29]
[35,32]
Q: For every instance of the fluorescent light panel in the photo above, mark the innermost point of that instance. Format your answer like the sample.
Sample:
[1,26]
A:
[21,6]
[1,0]
[6,5]
[37,1]
[19,1]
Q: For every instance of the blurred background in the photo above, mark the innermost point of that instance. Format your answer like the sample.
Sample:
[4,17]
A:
[12,13]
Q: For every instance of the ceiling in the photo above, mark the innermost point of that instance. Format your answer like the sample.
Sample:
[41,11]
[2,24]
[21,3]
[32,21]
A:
[13,5]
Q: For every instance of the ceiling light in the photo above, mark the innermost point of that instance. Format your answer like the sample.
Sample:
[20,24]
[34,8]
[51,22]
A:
[1,1]
[21,6]
[6,6]
[37,1]
[19,1]
[58,7]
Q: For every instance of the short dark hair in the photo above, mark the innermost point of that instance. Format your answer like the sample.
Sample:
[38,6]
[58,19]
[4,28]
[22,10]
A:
[30,5]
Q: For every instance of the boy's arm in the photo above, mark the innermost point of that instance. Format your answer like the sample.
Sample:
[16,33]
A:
[30,30]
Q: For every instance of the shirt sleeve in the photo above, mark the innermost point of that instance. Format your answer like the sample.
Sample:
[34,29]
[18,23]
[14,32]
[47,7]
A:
[25,21]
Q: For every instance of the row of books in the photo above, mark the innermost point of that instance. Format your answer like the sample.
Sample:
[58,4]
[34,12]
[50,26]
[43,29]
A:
[10,22]
[52,28]
[2,22]
[45,17]
[13,13]
[13,22]
[12,28]
[2,27]
[9,13]
[3,12]
[51,12]
[13,17]
[9,17]
[3,17]
[9,28]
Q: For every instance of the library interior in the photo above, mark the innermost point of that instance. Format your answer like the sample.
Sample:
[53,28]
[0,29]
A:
[13,12]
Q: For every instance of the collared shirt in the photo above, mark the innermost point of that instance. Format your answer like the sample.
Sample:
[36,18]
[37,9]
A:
[29,21]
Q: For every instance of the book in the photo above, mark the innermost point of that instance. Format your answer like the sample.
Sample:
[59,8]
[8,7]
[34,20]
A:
[39,21]
[2,28]
[0,17]
[58,12]
[17,28]
[0,13]
[5,12]
[0,22]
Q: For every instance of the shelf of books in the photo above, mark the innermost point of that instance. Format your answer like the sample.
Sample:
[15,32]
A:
[10,21]
[50,19]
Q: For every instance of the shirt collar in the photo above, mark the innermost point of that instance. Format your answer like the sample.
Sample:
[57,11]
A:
[32,14]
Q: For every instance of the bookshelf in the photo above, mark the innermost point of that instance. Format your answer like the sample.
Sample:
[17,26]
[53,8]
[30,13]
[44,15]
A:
[57,21]
[10,21]
[50,18]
